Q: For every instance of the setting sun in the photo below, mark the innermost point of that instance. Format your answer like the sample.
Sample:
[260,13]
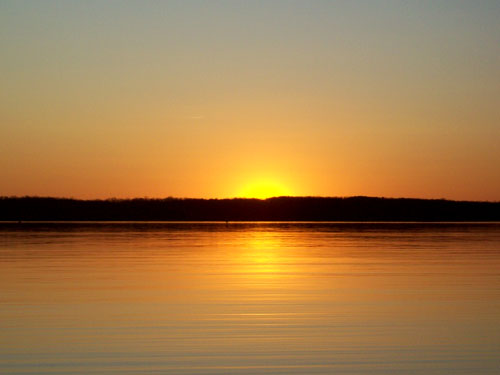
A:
[263,189]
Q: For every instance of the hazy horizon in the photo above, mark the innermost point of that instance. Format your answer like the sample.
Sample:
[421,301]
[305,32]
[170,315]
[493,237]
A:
[237,197]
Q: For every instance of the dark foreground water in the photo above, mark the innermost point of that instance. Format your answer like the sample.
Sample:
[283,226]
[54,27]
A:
[254,298]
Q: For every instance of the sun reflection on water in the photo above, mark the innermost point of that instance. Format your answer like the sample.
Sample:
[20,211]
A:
[263,256]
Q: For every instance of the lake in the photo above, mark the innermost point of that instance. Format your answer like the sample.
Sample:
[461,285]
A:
[249,298]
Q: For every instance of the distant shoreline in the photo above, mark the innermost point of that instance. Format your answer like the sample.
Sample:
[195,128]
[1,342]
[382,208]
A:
[293,209]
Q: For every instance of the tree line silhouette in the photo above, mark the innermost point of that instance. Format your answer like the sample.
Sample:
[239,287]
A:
[238,209]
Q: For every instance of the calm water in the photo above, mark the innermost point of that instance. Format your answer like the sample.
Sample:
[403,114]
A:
[254,298]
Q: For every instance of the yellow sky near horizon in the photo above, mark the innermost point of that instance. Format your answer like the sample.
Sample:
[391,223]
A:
[228,98]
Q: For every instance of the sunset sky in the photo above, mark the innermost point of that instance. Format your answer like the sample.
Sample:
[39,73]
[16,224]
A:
[219,99]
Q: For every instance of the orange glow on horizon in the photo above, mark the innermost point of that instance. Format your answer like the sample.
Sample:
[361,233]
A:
[263,189]
[327,109]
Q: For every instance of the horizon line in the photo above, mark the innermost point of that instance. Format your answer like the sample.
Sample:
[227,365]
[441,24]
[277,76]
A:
[241,198]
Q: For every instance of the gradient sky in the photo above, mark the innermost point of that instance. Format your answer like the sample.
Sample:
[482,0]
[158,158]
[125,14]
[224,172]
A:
[215,98]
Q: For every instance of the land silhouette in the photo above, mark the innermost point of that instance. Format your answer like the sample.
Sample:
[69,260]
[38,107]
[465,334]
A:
[358,208]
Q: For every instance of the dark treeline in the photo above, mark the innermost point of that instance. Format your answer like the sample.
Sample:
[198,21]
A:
[282,208]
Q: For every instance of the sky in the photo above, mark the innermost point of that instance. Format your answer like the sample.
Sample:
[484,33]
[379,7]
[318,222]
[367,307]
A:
[218,99]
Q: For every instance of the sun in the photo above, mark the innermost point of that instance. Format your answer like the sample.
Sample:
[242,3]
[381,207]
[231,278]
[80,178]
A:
[263,189]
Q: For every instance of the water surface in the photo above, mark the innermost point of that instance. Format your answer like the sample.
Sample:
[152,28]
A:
[249,298]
